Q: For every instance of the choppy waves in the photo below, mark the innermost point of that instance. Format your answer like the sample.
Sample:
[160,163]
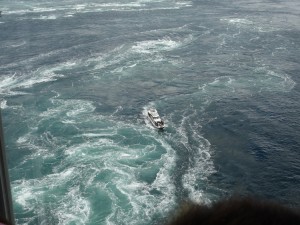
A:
[46,11]
[102,160]
[86,153]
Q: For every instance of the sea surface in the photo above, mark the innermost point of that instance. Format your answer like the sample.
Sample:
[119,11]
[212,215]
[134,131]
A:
[76,80]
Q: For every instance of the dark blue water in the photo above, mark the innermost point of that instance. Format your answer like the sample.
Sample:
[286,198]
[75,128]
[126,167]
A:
[78,76]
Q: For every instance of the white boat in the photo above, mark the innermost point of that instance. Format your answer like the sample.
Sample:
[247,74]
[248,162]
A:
[155,119]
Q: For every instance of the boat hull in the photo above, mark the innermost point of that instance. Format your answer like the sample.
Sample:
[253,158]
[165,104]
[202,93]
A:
[159,124]
[154,124]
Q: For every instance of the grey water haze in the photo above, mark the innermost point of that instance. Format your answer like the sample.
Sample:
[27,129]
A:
[76,80]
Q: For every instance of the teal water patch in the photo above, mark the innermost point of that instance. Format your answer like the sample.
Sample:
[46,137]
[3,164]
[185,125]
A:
[93,168]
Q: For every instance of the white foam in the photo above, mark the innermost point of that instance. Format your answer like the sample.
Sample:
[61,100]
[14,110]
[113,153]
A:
[42,75]
[239,21]
[104,150]
[152,46]
[184,3]
[48,17]
[17,11]
[23,139]
[84,162]
[102,135]
[29,9]
[163,181]
[67,206]
[15,44]
[3,104]
[143,204]
[111,58]
[68,121]
[68,110]
[38,77]
[77,150]
[262,79]
[43,9]
[200,165]
[81,109]
[287,82]
[118,109]
[7,81]
[120,59]
[69,15]
[258,26]
[100,7]
[74,208]
[199,169]
[71,9]
[41,56]
[23,193]
[268,79]
[118,5]
[133,193]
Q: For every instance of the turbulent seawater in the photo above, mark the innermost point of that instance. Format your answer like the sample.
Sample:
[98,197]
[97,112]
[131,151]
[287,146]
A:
[76,79]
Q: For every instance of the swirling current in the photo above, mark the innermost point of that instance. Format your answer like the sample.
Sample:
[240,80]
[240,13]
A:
[77,78]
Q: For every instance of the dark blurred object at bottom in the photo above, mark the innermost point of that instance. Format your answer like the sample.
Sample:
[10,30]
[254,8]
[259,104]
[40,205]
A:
[4,222]
[236,211]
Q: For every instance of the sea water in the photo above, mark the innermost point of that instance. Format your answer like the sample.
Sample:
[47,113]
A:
[77,78]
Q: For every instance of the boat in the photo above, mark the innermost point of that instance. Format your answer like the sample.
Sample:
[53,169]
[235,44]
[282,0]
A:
[155,119]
